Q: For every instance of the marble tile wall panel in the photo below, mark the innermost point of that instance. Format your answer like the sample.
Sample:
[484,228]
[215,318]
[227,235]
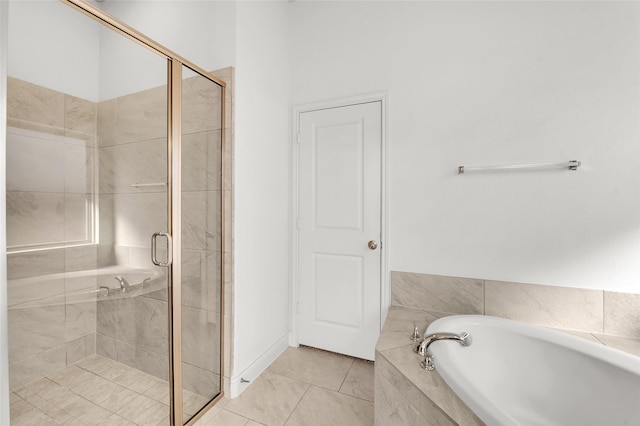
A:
[194,154]
[80,116]
[137,217]
[409,394]
[203,382]
[398,326]
[107,123]
[80,258]
[586,310]
[81,348]
[107,218]
[79,169]
[625,344]
[106,346]
[37,162]
[137,321]
[201,220]
[150,362]
[24,290]
[201,339]
[228,160]
[227,74]
[228,222]
[437,293]
[107,313]
[194,220]
[137,162]
[105,255]
[36,327]
[29,369]
[200,279]
[150,324]
[213,277]
[622,314]
[391,409]
[201,109]
[126,317]
[77,214]
[47,308]
[136,117]
[36,104]
[35,218]
[80,319]
[549,306]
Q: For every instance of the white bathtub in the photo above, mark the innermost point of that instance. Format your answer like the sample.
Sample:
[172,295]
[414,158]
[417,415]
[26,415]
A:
[81,286]
[519,374]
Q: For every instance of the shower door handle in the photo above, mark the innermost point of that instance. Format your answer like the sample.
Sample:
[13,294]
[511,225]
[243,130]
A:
[154,257]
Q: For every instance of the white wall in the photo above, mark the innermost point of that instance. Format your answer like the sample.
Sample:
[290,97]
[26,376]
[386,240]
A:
[484,83]
[202,32]
[54,46]
[261,171]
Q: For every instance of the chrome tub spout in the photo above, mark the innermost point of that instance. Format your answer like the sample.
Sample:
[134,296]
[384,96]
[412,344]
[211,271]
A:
[422,348]
[124,284]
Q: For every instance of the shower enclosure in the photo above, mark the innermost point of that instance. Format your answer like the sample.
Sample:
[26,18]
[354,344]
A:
[115,201]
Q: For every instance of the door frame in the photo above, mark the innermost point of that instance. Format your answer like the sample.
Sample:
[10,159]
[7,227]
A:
[294,280]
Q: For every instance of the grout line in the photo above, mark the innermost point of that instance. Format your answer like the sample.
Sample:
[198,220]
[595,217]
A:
[345,377]
[298,403]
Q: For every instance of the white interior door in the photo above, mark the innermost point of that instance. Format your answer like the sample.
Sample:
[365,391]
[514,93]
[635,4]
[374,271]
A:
[340,169]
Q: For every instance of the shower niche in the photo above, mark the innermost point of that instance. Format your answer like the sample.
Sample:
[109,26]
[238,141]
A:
[115,227]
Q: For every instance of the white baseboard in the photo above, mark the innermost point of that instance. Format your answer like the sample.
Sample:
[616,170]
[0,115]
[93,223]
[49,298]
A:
[257,367]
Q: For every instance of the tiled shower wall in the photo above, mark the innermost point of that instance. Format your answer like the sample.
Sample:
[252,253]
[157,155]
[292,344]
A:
[604,313]
[51,321]
[132,149]
[50,326]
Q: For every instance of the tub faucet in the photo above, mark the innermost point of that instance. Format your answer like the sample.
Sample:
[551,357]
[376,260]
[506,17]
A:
[124,285]
[422,348]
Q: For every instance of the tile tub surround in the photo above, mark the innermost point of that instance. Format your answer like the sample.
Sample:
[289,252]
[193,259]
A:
[406,395]
[583,310]
[51,323]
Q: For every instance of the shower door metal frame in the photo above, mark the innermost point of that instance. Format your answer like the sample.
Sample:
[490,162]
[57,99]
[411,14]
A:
[174,195]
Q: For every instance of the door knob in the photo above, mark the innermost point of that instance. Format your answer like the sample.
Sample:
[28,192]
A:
[372,245]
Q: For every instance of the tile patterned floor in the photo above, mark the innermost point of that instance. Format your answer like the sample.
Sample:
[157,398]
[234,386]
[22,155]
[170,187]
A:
[97,391]
[303,386]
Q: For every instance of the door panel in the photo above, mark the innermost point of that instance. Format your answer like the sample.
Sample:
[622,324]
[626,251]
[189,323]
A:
[338,176]
[340,212]
[201,237]
[338,287]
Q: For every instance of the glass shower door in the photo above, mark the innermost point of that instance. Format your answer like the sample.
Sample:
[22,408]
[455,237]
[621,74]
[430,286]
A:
[201,240]
[88,174]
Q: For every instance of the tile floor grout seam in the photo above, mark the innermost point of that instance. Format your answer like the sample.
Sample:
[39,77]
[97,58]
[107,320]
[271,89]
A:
[345,377]
[297,404]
